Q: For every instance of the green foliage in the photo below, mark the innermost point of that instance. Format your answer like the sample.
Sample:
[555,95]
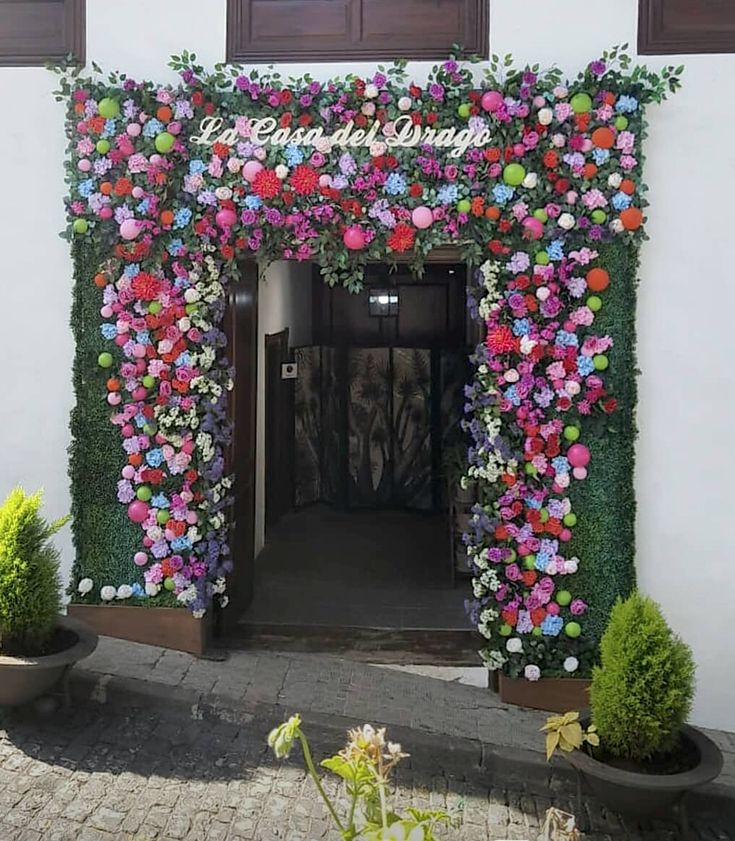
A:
[565,733]
[642,693]
[29,574]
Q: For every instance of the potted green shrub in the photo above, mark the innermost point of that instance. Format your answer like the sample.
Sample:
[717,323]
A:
[633,747]
[37,644]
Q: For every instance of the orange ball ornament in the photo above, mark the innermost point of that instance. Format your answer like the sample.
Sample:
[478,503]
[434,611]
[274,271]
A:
[603,138]
[589,171]
[100,281]
[492,212]
[164,114]
[632,218]
[105,188]
[113,384]
[627,186]
[597,280]
[167,217]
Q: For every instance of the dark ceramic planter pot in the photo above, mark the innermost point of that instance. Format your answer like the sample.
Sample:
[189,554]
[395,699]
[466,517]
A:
[23,679]
[637,795]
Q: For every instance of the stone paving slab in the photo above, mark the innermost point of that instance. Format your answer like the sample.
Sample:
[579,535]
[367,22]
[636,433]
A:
[108,774]
[468,723]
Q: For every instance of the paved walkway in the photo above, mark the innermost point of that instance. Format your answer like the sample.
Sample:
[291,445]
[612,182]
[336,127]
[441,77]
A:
[189,763]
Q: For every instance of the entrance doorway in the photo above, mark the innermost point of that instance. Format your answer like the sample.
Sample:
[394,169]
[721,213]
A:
[360,419]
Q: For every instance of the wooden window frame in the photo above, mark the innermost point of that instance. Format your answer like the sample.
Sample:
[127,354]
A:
[74,41]
[238,51]
[654,38]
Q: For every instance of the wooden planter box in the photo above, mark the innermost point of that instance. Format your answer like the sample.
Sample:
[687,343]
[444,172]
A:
[168,627]
[555,694]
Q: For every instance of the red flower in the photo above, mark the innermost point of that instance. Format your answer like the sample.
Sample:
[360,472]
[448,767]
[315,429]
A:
[361,120]
[391,161]
[304,179]
[416,118]
[492,155]
[267,184]
[145,286]
[197,98]
[510,617]
[431,118]
[285,120]
[551,159]
[500,339]
[504,225]
[415,191]
[538,614]
[285,97]
[153,477]
[304,119]
[209,108]
[610,405]
[402,237]
[414,90]
[529,577]
[221,150]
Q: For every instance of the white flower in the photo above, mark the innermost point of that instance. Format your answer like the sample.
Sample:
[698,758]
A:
[184,324]
[152,589]
[530,181]
[191,295]
[562,480]
[234,165]
[566,221]
[527,345]
[571,664]
[324,145]
[223,193]
[614,180]
[404,103]
[545,116]
[560,92]
[511,375]
[532,672]
[282,171]
[85,586]
[108,593]
[224,601]
[616,226]
[377,148]
[493,659]
[558,140]
[368,109]
[371,91]
[514,645]
[260,153]
[543,292]
[572,388]
[198,614]
[124,591]
[570,567]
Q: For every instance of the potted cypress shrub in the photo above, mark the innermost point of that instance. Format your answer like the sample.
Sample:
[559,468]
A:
[37,644]
[633,747]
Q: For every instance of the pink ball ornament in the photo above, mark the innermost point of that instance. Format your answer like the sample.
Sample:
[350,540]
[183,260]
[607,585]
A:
[84,165]
[160,439]
[533,228]
[354,238]
[174,128]
[106,311]
[325,180]
[140,559]
[133,129]
[140,365]
[138,351]
[156,159]
[139,393]
[114,398]
[129,229]
[121,339]
[138,511]
[128,430]
[147,542]
[137,192]
[128,472]
[519,150]
[422,217]
[523,550]
[191,518]
[105,212]
[226,217]
[125,147]
[570,326]
[565,535]
[579,473]
[491,100]
[578,455]
[188,447]
[251,169]
[553,608]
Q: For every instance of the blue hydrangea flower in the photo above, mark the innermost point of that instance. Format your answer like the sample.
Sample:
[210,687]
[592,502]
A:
[86,188]
[138,590]
[395,184]
[131,270]
[502,193]
[560,464]
[626,104]
[294,155]
[585,365]
[143,336]
[109,129]
[566,339]
[621,200]
[160,501]
[144,205]
[511,393]
[179,544]
[196,166]
[152,128]
[447,194]
[532,503]
[551,626]
[175,245]
[521,327]
[140,421]
[183,358]
[154,457]
[253,202]
[182,217]
[109,331]
[600,156]
[543,559]
[555,250]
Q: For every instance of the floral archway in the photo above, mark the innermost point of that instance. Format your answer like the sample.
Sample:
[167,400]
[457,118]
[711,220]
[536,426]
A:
[536,181]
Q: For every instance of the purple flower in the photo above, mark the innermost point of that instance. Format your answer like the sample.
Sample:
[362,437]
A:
[598,68]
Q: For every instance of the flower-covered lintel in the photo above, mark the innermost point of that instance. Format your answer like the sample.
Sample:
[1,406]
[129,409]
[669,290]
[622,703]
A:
[527,174]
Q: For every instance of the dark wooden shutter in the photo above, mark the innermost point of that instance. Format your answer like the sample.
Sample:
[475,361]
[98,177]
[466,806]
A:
[333,30]
[686,26]
[37,31]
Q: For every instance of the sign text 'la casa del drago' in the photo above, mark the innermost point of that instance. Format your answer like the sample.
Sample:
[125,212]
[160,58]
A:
[402,132]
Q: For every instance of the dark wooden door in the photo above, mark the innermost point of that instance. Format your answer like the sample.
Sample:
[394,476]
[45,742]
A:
[243,351]
[279,430]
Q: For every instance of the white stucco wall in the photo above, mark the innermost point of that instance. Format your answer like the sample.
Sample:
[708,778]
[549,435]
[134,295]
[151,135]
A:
[684,458]
[284,301]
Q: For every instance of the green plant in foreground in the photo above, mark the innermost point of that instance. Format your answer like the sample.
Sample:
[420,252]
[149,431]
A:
[29,574]
[641,694]
[364,765]
[565,732]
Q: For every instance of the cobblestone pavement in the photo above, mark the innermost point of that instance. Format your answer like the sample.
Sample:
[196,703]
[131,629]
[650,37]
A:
[100,775]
